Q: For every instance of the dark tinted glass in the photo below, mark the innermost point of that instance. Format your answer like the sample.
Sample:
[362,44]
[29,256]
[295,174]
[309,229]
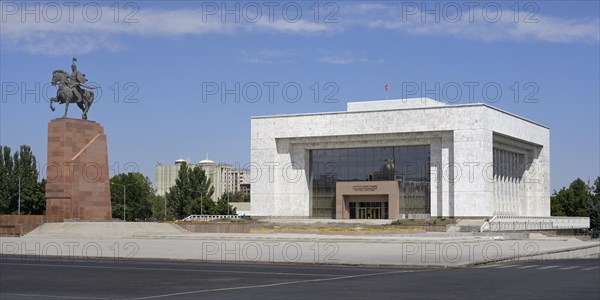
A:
[409,165]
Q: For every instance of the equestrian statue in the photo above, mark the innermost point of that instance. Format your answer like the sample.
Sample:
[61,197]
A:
[71,89]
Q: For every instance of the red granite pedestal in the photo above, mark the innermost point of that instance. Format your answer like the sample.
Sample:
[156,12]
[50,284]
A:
[78,186]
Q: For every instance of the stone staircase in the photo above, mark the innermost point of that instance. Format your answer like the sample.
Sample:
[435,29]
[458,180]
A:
[106,230]
[467,225]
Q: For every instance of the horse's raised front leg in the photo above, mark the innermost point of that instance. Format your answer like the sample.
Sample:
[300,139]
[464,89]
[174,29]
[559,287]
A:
[51,101]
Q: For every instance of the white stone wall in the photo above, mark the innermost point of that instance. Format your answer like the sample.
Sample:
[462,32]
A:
[460,136]
[536,140]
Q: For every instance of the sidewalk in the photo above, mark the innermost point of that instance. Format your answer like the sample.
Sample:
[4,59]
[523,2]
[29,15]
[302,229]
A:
[428,249]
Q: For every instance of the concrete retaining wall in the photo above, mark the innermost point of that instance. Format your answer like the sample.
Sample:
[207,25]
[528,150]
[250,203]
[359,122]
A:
[18,225]
[590,251]
[217,227]
[429,228]
[582,252]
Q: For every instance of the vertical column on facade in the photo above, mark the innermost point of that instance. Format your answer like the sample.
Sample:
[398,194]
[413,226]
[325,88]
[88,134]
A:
[543,187]
[513,160]
[295,173]
[510,181]
[436,178]
[308,206]
[505,180]
[282,204]
[495,178]
[527,158]
[515,183]
[519,186]
[536,182]
[447,161]
[499,181]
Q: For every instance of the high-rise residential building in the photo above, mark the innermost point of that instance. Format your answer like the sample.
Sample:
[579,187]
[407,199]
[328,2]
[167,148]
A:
[223,177]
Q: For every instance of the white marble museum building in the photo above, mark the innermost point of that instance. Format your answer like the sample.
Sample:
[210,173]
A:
[407,158]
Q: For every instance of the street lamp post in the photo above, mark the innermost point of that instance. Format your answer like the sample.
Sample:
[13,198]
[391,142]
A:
[125,203]
[201,200]
[227,187]
[19,205]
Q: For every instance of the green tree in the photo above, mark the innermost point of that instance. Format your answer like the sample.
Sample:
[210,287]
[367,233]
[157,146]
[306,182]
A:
[7,182]
[237,196]
[191,194]
[158,208]
[19,171]
[579,200]
[581,194]
[223,207]
[33,199]
[594,208]
[571,201]
[558,202]
[596,190]
[139,194]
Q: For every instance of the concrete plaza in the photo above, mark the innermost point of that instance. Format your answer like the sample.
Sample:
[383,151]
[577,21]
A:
[167,241]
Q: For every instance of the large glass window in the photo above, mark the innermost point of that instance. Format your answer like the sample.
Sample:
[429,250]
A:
[409,165]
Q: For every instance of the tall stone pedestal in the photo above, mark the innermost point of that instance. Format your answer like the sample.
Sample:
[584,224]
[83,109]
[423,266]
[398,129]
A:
[78,184]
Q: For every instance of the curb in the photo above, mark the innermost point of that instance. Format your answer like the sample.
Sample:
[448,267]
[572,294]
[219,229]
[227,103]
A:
[589,251]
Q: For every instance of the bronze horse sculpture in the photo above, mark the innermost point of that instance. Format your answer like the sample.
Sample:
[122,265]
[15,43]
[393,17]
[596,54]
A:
[66,94]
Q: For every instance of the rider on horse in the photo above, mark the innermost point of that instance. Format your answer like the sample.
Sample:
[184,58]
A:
[76,79]
[72,89]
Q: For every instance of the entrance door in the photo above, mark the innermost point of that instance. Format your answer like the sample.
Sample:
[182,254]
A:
[375,213]
[362,212]
[368,210]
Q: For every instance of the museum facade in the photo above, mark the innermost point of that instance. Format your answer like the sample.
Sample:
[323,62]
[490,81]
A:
[407,158]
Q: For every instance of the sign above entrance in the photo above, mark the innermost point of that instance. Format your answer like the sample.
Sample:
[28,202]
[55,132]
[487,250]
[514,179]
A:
[364,188]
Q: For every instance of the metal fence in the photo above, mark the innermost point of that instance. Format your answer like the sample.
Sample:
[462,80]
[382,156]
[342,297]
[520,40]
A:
[196,218]
[518,223]
[515,226]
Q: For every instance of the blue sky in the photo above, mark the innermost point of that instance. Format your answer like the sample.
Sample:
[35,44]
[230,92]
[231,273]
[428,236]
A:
[160,56]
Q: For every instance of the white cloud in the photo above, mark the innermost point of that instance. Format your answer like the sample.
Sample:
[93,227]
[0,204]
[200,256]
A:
[80,36]
[266,56]
[302,27]
[345,59]
[477,24]
[336,60]
[558,30]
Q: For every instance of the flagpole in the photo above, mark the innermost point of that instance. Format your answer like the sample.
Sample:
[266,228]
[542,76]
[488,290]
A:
[387,96]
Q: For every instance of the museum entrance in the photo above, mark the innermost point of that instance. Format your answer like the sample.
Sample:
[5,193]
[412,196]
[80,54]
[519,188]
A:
[368,210]
[376,200]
